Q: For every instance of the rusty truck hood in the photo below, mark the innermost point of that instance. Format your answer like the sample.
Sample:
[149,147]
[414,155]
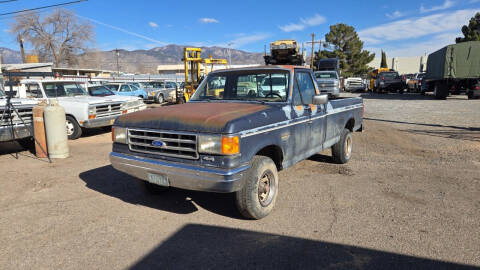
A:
[210,117]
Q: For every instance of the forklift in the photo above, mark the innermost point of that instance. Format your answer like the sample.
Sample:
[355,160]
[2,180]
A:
[193,71]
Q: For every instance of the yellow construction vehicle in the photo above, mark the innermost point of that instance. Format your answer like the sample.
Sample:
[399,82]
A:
[193,71]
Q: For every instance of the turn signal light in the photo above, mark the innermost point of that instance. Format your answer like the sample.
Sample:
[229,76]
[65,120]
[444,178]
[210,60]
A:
[92,116]
[230,145]
[476,87]
[124,111]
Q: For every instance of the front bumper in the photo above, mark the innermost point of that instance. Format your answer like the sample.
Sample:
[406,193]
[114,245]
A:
[180,175]
[99,122]
[334,91]
[20,131]
[354,87]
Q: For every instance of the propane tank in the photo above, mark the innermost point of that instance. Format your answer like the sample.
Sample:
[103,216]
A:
[39,130]
[55,129]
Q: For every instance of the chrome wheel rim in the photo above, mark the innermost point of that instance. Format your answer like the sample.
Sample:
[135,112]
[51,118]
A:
[348,146]
[70,127]
[266,188]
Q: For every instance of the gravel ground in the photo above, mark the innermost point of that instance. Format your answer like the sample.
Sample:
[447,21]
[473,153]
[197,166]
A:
[409,198]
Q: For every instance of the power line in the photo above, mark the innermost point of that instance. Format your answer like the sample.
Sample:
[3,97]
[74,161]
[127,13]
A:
[7,1]
[44,7]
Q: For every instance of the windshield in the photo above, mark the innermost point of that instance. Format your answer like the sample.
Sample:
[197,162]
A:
[134,87]
[61,89]
[261,85]
[325,75]
[113,87]
[100,91]
[389,74]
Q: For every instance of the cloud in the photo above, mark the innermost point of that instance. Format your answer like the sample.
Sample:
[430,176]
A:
[416,27]
[152,24]
[418,48]
[447,4]
[208,20]
[248,39]
[395,14]
[304,23]
[123,30]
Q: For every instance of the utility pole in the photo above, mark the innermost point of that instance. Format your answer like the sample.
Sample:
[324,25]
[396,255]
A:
[313,42]
[117,54]
[22,51]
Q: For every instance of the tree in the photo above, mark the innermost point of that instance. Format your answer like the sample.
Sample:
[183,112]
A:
[472,31]
[383,63]
[348,48]
[56,37]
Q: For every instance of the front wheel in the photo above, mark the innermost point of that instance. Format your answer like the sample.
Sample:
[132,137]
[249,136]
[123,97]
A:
[257,197]
[160,99]
[74,131]
[342,150]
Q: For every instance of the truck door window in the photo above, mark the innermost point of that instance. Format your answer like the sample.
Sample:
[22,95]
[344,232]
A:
[124,88]
[306,90]
[32,91]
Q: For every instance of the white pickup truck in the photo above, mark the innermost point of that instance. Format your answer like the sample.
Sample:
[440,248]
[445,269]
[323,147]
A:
[82,110]
[15,126]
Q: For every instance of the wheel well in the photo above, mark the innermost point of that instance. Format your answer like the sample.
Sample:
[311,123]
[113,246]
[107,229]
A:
[274,152]
[72,117]
[350,124]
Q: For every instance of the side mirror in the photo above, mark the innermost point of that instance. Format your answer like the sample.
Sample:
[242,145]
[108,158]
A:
[320,99]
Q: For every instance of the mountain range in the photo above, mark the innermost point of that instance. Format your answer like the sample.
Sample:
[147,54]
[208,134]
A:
[146,61]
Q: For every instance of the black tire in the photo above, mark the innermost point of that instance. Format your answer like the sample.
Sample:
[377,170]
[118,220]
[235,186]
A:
[400,91]
[74,131]
[342,150]
[26,143]
[258,196]
[439,92]
[160,99]
[470,95]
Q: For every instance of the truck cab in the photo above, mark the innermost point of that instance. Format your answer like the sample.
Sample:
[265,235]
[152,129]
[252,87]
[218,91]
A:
[240,127]
[82,110]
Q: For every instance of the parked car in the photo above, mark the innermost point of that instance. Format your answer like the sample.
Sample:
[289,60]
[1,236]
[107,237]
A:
[134,103]
[389,81]
[353,84]
[415,83]
[82,110]
[328,82]
[226,141]
[127,89]
[159,91]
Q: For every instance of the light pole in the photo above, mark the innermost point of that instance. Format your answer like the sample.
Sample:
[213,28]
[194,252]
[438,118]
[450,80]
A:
[117,54]
[230,53]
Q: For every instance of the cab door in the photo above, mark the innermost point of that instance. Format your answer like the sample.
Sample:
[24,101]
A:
[301,129]
[315,126]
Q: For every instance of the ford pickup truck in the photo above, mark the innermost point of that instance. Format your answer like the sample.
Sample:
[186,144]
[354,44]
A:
[82,111]
[232,139]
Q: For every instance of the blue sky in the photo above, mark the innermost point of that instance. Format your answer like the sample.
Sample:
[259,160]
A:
[402,28]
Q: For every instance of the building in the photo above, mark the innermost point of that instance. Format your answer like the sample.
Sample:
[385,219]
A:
[178,70]
[89,72]
[28,67]
[404,65]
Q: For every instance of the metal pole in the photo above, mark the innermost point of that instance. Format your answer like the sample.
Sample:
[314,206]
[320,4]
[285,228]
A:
[311,56]
[118,67]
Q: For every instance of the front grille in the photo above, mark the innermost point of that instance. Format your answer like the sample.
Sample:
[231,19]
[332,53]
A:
[25,114]
[106,110]
[180,145]
[355,83]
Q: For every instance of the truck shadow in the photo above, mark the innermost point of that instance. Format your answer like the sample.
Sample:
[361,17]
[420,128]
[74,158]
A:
[472,129]
[113,183]
[405,96]
[465,135]
[197,246]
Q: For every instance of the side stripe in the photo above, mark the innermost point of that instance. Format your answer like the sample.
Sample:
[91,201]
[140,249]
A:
[288,123]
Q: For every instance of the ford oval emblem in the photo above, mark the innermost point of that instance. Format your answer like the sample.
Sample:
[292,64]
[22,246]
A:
[158,143]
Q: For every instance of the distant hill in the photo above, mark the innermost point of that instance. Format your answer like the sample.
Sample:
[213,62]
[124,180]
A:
[146,61]
[10,56]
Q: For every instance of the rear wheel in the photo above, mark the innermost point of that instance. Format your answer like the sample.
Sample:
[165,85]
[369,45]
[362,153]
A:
[342,150]
[439,92]
[258,196]
[74,131]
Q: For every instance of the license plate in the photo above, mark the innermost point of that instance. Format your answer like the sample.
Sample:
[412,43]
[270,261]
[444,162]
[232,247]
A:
[112,121]
[157,179]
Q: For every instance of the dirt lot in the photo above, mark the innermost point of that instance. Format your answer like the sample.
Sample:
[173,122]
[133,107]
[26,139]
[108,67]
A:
[409,198]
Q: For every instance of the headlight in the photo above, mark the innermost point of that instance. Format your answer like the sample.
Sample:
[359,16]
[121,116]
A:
[119,135]
[217,144]
[92,110]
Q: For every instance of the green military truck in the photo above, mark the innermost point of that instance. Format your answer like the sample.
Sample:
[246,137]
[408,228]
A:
[454,69]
